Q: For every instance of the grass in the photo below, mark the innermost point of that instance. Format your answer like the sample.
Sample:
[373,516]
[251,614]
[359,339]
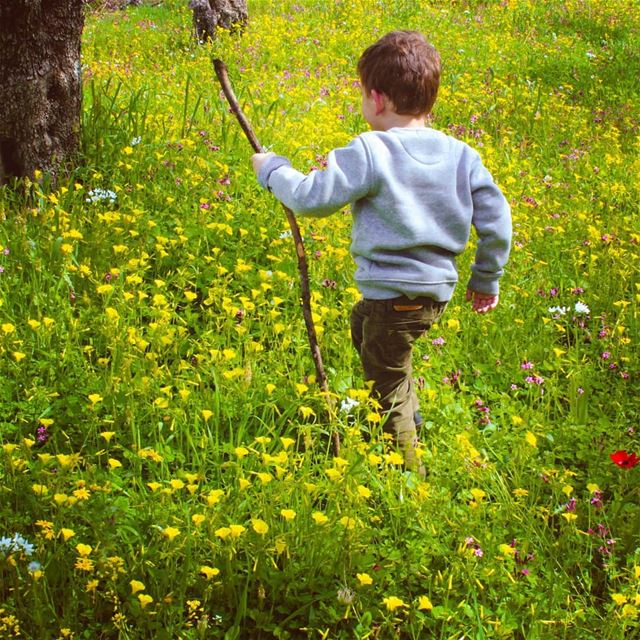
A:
[166,468]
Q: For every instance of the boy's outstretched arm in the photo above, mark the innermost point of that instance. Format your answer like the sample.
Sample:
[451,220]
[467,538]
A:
[345,179]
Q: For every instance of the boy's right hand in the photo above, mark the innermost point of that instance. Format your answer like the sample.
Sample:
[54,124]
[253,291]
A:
[482,302]
[258,159]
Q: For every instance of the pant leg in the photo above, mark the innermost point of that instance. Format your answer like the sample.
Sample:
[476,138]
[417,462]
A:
[383,333]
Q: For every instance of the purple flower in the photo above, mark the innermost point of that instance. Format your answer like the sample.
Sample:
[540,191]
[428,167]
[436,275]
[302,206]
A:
[437,342]
[526,365]
[42,435]
[605,355]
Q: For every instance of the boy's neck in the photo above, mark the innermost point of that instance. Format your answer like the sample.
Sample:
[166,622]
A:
[392,120]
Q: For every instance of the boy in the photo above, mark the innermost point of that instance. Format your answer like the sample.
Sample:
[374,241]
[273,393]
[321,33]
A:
[414,194]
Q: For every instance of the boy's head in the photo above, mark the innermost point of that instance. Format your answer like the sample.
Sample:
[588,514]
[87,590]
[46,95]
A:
[406,68]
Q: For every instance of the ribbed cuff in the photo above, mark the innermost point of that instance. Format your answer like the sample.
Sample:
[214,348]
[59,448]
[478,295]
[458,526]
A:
[273,163]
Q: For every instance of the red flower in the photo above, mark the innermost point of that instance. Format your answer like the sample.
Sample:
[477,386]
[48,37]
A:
[624,459]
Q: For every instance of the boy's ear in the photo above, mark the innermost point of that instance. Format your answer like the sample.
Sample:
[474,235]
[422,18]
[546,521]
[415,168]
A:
[379,100]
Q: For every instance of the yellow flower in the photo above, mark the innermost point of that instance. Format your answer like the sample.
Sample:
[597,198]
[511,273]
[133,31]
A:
[243,483]
[114,464]
[424,603]
[95,398]
[83,549]
[364,492]
[306,412]
[374,418]
[569,517]
[392,603]
[347,523]
[223,532]
[209,572]
[364,579]
[81,494]
[67,533]
[619,599]
[567,489]
[264,477]
[144,599]
[520,493]
[197,519]
[478,494]
[136,586]
[39,489]
[206,414]
[92,585]
[18,355]
[507,550]
[214,496]
[236,530]
[287,442]
[259,526]
[7,327]
[176,483]
[333,474]
[107,435]
[170,532]
[394,458]
[154,486]
[531,439]
[319,517]
[241,452]
[84,564]
[288,514]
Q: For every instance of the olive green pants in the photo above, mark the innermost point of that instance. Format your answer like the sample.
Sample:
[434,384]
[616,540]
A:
[383,333]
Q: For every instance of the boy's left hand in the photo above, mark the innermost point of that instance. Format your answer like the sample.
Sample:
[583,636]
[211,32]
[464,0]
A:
[258,159]
[482,302]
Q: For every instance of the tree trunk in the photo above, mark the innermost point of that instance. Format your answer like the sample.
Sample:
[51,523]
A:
[209,15]
[40,90]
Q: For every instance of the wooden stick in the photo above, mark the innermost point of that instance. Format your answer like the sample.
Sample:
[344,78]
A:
[305,293]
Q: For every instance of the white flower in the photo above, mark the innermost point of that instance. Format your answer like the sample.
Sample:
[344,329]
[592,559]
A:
[581,308]
[558,311]
[102,195]
[348,404]
[135,141]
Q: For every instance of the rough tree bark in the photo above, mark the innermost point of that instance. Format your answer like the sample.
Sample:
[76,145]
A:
[208,15]
[40,86]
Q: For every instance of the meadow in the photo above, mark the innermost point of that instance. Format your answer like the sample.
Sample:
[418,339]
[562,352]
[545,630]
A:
[166,459]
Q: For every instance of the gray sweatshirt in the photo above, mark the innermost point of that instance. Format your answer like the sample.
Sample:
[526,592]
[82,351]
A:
[414,194]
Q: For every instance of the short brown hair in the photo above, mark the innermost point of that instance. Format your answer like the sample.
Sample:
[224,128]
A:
[406,68]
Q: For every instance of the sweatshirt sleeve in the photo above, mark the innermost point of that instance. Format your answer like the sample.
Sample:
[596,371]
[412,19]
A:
[347,178]
[492,221]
